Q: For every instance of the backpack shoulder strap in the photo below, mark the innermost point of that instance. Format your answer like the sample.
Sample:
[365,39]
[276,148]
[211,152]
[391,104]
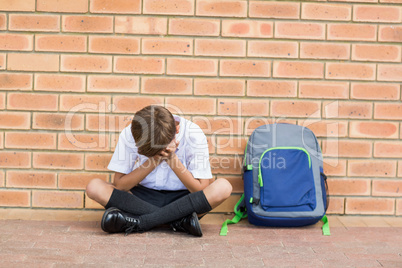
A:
[240,213]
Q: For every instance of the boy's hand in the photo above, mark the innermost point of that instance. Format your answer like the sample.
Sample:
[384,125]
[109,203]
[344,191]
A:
[170,150]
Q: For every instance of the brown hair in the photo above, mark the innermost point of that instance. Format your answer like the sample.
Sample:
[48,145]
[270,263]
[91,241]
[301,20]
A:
[153,128]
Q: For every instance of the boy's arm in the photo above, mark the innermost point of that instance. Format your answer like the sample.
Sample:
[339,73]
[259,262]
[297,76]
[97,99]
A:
[125,182]
[185,176]
[192,184]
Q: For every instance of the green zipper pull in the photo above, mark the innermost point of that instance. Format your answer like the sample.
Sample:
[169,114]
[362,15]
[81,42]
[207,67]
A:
[260,180]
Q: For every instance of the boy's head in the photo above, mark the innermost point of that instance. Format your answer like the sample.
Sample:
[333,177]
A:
[153,128]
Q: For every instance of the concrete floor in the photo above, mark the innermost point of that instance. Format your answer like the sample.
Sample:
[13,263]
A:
[43,239]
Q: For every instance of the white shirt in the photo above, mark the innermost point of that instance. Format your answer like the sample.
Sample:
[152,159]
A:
[192,152]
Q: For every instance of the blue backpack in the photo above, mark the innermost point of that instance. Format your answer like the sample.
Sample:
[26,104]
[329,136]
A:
[284,181]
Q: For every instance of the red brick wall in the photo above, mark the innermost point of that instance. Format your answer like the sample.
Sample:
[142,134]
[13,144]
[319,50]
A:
[230,66]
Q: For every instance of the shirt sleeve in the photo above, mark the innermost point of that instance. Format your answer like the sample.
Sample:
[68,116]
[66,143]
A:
[198,156]
[125,154]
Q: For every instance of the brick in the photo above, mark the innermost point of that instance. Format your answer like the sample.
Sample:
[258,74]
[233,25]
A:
[299,30]
[377,13]
[330,51]
[87,24]
[37,23]
[236,182]
[373,168]
[256,121]
[9,159]
[3,62]
[190,105]
[2,101]
[167,46]
[33,62]
[321,11]
[57,199]
[15,120]
[79,181]
[370,206]
[198,27]
[16,42]
[141,25]
[399,168]
[323,90]
[60,6]
[116,6]
[242,28]
[398,207]
[64,43]
[28,101]
[380,130]
[61,83]
[311,109]
[352,71]
[346,148]
[391,1]
[387,188]
[375,91]
[172,7]
[352,32]
[390,72]
[44,160]
[274,10]
[221,87]
[13,81]
[92,64]
[222,48]
[273,49]
[335,167]
[358,110]
[139,65]
[219,125]
[108,84]
[363,52]
[83,142]
[3,22]
[243,107]
[390,33]
[29,179]
[19,198]
[114,45]
[349,187]
[102,123]
[391,111]
[84,103]
[298,69]
[226,165]
[202,67]
[232,145]
[162,85]
[245,68]
[221,8]
[357,1]
[24,140]
[388,149]
[57,121]
[17,5]
[336,205]
[97,162]
[262,88]
[2,180]
[132,104]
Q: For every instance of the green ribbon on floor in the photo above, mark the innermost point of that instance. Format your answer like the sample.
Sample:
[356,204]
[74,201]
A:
[325,227]
[238,216]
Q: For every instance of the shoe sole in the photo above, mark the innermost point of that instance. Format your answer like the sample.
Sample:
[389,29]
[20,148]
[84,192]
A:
[104,216]
[199,234]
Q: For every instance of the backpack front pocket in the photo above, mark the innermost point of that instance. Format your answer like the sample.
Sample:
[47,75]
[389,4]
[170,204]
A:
[286,180]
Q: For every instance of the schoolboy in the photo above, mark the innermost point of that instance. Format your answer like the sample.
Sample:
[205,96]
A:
[162,175]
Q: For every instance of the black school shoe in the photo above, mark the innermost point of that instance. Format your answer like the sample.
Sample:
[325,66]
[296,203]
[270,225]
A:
[116,221]
[189,224]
